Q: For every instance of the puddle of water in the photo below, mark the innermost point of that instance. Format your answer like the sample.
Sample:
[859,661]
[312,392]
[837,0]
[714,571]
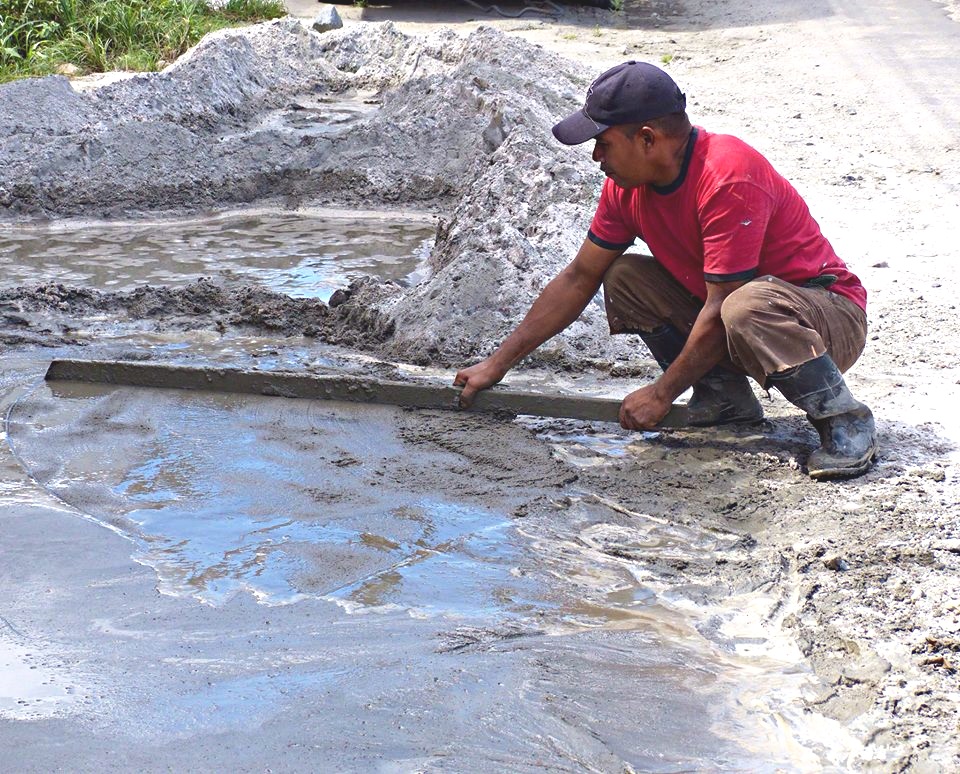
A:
[301,254]
[457,572]
[584,450]
[318,115]
[615,557]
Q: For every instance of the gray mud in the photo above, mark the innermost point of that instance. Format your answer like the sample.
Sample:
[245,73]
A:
[56,313]
[459,609]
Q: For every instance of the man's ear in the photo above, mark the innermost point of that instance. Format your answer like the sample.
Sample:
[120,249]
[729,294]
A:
[646,136]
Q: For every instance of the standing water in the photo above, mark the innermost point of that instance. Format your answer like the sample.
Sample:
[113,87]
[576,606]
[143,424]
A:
[303,254]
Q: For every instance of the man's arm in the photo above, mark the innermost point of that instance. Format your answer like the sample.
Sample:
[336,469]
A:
[558,305]
[705,347]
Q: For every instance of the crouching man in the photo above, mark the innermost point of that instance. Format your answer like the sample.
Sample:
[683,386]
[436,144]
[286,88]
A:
[742,282]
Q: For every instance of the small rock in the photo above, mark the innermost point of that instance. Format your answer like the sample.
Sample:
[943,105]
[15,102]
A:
[68,69]
[340,296]
[837,563]
[881,265]
[328,19]
[934,474]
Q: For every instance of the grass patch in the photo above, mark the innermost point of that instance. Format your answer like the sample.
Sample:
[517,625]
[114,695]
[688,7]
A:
[38,37]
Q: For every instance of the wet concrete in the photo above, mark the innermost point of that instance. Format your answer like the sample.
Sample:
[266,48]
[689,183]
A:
[304,254]
[366,587]
[360,586]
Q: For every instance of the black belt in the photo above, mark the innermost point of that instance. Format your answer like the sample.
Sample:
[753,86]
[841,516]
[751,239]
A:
[823,281]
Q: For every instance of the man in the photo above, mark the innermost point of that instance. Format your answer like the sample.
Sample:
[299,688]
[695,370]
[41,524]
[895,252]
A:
[742,282]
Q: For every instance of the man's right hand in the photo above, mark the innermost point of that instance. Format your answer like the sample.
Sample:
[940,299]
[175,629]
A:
[477,377]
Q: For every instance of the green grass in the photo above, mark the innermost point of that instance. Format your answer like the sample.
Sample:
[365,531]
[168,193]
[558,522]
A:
[39,36]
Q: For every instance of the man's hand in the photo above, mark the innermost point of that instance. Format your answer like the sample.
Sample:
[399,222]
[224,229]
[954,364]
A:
[477,377]
[706,346]
[642,409]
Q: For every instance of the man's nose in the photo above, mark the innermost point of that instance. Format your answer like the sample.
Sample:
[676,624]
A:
[597,155]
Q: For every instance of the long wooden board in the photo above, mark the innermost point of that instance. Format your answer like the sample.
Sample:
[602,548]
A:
[356,389]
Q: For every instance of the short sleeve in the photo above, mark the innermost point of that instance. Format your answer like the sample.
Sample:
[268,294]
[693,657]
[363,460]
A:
[734,224]
[610,229]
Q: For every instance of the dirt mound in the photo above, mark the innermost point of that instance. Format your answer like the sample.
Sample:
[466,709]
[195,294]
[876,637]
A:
[59,309]
[455,124]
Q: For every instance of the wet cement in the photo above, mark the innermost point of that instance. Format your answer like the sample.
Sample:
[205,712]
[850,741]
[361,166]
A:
[438,589]
[376,576]
[304,254]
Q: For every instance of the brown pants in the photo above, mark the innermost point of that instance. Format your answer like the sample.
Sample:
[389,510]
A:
[771,325]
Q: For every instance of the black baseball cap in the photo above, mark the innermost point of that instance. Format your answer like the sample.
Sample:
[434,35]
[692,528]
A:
[630,93]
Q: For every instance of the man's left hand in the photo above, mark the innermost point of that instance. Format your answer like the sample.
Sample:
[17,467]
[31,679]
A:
[642,409]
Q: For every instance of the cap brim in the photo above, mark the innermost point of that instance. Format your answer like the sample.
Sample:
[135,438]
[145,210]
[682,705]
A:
[577,128]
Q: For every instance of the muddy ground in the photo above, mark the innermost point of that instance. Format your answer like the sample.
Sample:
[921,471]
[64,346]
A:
[858,103]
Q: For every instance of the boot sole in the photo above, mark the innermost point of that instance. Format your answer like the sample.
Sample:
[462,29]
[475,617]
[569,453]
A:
[858,468]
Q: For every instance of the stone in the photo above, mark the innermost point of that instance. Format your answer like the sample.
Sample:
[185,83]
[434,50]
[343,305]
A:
[328,19]
[339,297]
[836,563]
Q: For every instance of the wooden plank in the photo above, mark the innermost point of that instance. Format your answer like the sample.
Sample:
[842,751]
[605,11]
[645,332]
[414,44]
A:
[355,389]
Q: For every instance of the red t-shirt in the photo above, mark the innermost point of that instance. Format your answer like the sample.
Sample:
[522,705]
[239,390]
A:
[729,216]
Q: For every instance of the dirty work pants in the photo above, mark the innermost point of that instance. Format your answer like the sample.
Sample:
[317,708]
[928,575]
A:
[771,325]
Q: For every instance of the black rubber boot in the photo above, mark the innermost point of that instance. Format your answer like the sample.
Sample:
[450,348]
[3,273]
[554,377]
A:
[721,397]
[848,434]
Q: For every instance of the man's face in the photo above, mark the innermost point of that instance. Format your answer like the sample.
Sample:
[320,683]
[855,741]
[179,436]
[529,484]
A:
[622,157]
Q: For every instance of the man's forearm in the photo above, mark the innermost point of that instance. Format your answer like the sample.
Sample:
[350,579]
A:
[706,346]
[561,302]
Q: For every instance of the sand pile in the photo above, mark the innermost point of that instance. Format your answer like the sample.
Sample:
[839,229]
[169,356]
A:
[278,114]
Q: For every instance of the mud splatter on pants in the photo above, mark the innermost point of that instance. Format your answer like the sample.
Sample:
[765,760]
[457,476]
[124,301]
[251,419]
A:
[771,325]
